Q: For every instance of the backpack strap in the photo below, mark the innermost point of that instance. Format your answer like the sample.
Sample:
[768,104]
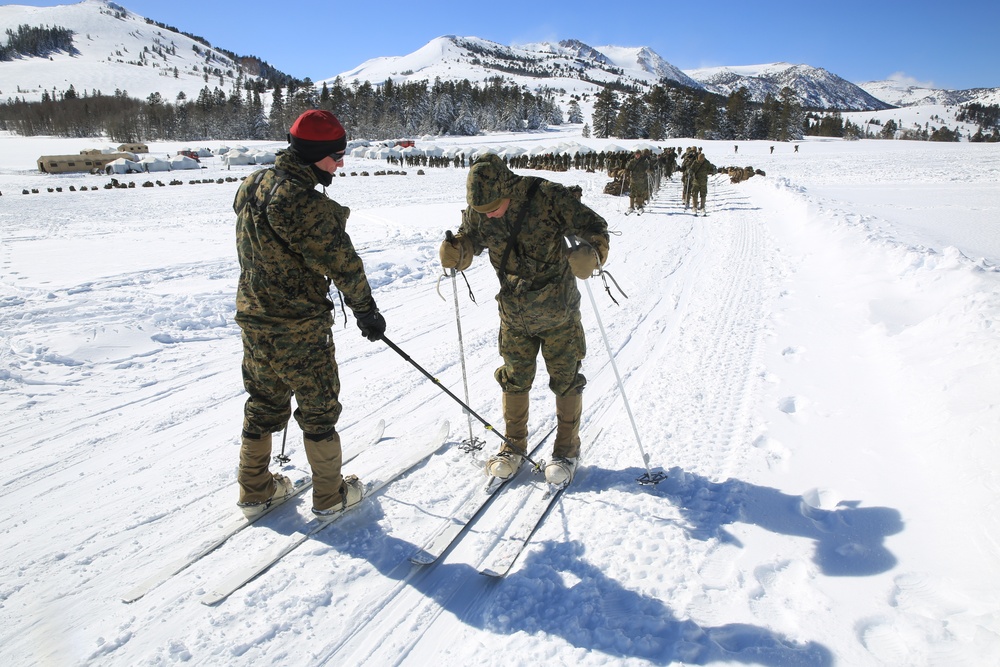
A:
[516,228]
[261,209]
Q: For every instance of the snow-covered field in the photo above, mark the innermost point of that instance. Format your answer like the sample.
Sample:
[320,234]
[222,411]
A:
[816,366]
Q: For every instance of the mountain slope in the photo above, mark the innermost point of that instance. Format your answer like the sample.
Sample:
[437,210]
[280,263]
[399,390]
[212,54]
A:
[114,49]
[117,50]
[569,65]
[905,93]
[815,87]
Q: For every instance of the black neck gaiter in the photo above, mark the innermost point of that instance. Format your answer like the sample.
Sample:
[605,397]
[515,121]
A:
[325,177]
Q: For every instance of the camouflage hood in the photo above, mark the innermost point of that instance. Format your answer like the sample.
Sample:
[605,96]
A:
[489,182]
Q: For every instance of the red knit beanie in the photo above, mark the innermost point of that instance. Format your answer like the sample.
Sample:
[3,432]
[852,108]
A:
[316,134]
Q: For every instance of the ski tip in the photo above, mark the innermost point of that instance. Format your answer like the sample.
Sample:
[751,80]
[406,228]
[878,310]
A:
[422,558]
[212,599]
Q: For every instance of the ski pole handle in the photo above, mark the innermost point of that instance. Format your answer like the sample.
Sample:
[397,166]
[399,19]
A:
[450,238]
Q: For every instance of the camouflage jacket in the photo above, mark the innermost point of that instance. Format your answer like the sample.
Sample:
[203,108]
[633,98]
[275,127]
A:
[537,288]
[289,256]
[638,166]
[701,170]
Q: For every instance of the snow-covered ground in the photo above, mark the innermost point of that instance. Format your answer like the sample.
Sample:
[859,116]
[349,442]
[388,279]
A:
[815,365]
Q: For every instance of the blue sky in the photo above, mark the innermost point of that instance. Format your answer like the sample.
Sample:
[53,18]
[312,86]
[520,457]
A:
[938,43]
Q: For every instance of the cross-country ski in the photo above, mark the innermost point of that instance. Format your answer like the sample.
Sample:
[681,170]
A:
[382,476]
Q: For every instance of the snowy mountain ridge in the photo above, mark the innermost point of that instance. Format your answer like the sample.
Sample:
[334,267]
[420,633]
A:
[568,64]
[816,87]
[902,92]
[578,67]
[116,49]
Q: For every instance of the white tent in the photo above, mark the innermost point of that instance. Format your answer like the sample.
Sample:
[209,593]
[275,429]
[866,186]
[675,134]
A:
[383,152]
[411,150]
[236,158]
[641,146]
[479,152]
[205,152]
[359,151]
[122,166]
[511,151]
[433,151]
[183,162]
[573,148]
[541,150]
[151,163]
[262,157]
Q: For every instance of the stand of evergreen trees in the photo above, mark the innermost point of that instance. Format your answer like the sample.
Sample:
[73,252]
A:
[373,112]
[667,111]
[36,41]
[394,110]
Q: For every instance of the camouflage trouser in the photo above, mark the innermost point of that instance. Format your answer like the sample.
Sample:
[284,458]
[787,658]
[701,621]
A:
[638,194]
[275,365]
[563,348]
[699,190]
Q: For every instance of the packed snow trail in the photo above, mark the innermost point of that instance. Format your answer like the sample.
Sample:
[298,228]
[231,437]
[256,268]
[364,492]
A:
[800,374]
[691,345]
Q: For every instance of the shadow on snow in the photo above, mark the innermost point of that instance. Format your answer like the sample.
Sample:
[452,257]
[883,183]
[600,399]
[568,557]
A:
[556,592]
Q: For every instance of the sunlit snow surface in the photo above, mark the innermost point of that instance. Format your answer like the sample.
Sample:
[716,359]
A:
[815,365]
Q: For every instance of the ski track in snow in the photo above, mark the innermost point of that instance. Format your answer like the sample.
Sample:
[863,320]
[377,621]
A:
[716,285]
[151,353]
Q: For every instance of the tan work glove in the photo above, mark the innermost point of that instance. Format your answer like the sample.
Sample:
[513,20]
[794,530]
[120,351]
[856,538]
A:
[600,245]
[583,261]
[456,252]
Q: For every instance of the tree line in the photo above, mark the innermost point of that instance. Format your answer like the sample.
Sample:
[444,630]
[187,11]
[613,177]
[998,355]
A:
[374,112]
[834,125]
[668,110]
[392,110]
[36,41]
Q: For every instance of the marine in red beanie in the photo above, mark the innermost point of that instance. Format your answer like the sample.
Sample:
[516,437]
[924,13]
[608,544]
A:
[292,243]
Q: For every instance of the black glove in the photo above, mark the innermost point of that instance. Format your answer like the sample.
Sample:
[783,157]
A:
[372,324]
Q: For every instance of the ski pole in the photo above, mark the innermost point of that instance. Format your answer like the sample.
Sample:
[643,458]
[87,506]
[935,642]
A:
[649,477]
[489,427]
[472,442]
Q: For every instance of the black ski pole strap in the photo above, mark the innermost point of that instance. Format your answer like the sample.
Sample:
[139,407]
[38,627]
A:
[343,311]
[604,277]
[472,296]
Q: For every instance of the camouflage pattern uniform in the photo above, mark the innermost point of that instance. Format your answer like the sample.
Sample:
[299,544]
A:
[637,168]
[701,169]
[539,301]
[687,160]
[288,258]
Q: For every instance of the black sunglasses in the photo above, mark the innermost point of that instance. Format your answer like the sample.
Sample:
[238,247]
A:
[337,157]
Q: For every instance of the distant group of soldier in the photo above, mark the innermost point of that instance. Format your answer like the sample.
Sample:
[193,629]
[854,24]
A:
[637,173]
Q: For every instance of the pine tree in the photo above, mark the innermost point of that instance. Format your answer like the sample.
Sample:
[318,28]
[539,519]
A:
[737,117]
[575,114]
[605,113]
